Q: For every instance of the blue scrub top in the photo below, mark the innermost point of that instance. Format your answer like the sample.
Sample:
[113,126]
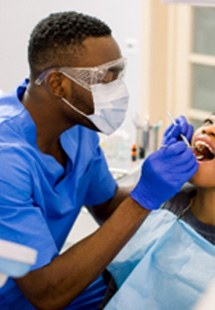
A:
[40,199]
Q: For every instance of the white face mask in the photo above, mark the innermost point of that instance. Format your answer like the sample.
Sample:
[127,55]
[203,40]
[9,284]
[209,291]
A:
[110,105]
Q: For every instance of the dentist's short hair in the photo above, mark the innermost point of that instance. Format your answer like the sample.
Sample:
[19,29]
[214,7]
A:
[57,39]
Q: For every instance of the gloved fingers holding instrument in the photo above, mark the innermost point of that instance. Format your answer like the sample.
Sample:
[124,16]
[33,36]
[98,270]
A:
[180,129]
[163,174]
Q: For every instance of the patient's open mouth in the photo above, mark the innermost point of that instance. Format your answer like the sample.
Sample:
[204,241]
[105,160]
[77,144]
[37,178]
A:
[203,151]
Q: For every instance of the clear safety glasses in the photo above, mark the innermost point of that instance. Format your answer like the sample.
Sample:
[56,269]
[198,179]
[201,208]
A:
[88,76]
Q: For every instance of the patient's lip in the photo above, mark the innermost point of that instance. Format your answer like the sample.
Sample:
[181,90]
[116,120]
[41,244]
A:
[206,139]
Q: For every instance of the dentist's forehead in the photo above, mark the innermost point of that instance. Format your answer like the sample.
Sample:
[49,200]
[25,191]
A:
[98,51]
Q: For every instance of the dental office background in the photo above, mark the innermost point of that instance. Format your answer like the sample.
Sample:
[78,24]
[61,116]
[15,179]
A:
[170,51]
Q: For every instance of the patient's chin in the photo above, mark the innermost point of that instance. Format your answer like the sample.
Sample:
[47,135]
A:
[196,176]
[202,182]
[193,182]
[204,176]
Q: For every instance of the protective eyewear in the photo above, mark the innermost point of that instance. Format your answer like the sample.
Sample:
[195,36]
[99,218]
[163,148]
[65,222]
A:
[88,76]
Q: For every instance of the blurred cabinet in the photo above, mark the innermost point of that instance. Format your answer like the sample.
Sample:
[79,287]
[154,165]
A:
[191,83]
[202,59]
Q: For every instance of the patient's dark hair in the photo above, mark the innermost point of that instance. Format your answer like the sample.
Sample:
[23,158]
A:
[57,39]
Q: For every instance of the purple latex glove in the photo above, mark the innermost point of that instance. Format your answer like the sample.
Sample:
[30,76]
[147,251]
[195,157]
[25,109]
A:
[164,172]
[172,133]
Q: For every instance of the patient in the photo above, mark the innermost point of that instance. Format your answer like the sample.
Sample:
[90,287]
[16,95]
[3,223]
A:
[175,261]
[196,205]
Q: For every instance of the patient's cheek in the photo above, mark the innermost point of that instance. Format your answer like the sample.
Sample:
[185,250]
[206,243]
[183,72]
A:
[203,179]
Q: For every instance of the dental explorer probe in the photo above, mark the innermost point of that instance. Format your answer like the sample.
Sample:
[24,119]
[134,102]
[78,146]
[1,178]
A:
[181,135]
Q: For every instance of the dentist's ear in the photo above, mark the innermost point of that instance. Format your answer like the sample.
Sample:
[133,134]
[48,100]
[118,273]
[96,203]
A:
[56,83]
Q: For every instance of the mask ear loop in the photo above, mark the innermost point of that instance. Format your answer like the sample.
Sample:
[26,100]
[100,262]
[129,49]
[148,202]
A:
[73,107]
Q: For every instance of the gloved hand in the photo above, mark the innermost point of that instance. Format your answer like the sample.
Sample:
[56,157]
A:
[172,133]
[163,174]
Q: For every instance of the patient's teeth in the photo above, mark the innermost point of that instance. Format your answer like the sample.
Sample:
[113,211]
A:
[201,144]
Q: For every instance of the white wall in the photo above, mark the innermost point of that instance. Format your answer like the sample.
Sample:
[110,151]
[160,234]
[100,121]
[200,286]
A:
[18,17]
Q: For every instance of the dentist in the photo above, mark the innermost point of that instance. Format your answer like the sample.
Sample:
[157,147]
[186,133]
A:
[51,164]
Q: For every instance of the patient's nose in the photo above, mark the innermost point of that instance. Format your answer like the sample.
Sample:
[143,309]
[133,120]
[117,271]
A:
[209,130]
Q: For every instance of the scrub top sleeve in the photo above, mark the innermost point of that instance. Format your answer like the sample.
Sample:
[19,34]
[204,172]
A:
[102,185]
[21,220]
[27,227]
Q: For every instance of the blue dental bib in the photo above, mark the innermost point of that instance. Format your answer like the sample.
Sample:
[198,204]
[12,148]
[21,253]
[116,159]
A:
[166,265]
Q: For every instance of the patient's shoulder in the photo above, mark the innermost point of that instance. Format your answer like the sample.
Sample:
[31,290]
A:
[180,201]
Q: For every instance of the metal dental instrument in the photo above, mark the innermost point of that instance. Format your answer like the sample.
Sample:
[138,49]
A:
[181,135]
